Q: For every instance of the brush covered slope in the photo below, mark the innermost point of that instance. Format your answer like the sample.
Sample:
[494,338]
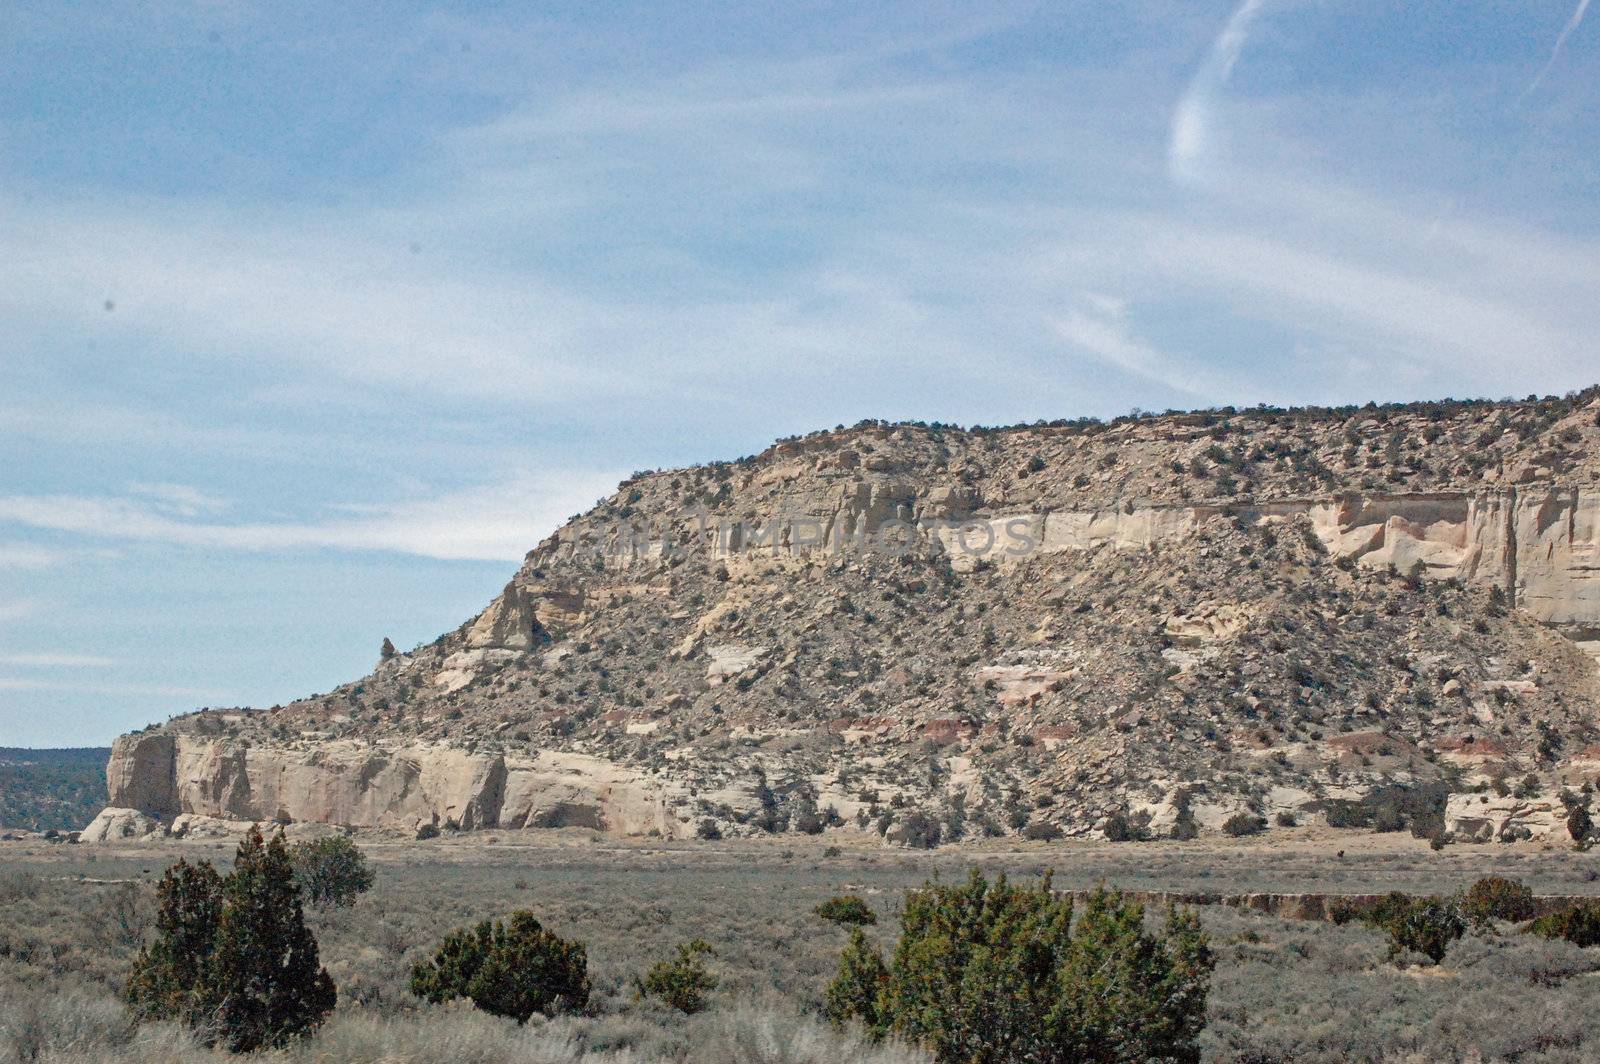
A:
[931,633]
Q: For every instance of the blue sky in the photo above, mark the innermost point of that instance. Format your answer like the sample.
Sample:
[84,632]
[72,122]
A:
[314,318]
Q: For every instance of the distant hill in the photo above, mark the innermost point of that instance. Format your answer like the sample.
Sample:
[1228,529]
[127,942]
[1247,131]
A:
[42,789]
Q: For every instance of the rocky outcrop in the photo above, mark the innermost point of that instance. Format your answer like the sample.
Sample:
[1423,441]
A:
[140,774]
[1539,544]
[203,782]
[510,623]
[1488,818]
[574,790]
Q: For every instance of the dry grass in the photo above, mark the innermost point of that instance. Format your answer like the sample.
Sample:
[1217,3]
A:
[1285,991]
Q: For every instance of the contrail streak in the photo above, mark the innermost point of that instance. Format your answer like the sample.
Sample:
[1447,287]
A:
[1555,53]
[1191,119]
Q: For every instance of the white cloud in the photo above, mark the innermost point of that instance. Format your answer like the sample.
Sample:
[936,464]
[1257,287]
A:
[329,296]
[498,522]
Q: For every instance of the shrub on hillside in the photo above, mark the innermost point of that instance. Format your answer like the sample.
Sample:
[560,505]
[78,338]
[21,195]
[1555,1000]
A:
[234,958]
[993,974]
[1240,824]
[1497,898]
[847,909]
[1578,924]
[514,969]
[1394,807]
[682,982]
[1122,826]
[1041,831]
[331,872]
[917,830]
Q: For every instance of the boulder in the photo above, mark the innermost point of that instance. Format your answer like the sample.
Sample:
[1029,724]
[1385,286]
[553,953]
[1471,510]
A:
[729,661]
[190,826]
[114,825]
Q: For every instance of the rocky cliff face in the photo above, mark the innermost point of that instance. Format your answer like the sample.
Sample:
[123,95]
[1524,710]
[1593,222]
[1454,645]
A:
[917,629]
[372,785]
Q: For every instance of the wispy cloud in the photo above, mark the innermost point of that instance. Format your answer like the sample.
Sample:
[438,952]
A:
[327,296]
[499,522]
[1194,119]
[179,499]
[30,556]
[1561,42]
[131,690]
[1101,328]
[18,609]
[58,661]
[1433,316]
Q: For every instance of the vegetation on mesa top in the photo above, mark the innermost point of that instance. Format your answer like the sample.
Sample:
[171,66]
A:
[1551,407]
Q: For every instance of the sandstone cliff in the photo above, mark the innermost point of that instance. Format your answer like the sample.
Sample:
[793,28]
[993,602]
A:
[924,629]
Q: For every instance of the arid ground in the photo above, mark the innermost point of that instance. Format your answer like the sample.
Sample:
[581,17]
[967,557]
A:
[1285,989]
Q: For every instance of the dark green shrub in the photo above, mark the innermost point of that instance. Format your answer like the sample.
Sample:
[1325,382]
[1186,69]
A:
[1579,823]
[172,978]
[268,978]
[856,992]
[1496,898]
[514,969]
[682,982]
[1240,824]
[1183,824]
[994,974]
[234,958]
[1372,912]
[1423,925]
[847,909]
[428,831]
[1125,827]
[331,872]
[1393,807]
[918,831]
[1579,925]
[1388,816]
[1343,813]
